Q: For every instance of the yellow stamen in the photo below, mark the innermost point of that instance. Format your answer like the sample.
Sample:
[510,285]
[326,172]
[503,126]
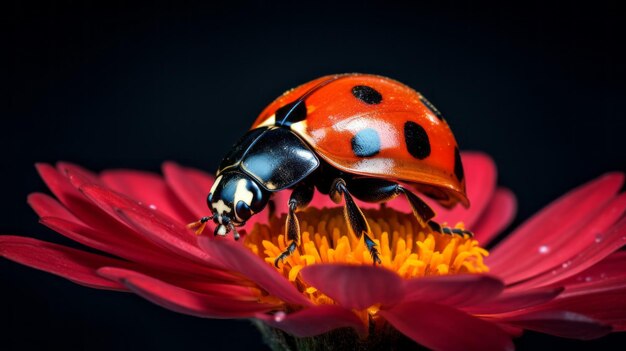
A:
[405,247]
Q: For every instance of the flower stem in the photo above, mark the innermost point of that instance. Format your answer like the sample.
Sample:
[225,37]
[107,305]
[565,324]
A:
[338,339]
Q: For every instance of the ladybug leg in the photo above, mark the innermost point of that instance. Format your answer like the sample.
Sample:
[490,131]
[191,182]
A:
[447,230]
[425,213]
[380,190]
[421,210]
[354,216]
[300,198]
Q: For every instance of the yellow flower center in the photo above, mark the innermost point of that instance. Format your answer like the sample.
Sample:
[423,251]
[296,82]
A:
[405,247]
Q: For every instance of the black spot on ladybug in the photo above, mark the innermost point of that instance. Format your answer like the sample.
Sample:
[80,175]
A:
[458,165]
[366,143]
[431,107]
[291,113]
[417,142]
[367,94]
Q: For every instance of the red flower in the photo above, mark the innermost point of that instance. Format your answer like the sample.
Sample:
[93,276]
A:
[559,273]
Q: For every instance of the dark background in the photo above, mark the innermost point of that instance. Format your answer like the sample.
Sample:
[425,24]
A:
[539,87]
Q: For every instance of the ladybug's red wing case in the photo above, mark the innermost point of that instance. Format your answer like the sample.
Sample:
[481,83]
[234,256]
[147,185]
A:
[374,126]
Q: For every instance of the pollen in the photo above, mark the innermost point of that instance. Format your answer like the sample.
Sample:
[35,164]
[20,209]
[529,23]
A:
[404,246]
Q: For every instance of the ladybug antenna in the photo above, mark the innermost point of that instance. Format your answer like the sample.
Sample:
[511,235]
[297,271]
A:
[198,226]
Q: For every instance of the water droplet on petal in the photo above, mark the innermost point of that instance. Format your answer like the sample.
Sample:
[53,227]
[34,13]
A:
[152,206]
[588,279]
[566,264]
[599,238]
[279,316]
[544,249]
[139,203]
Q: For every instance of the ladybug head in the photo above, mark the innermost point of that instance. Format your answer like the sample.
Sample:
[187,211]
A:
[233,199]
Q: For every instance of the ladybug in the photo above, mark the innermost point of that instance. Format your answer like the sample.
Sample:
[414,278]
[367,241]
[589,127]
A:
[349,135]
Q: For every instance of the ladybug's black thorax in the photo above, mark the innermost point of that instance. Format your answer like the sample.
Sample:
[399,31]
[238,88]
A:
[275,157]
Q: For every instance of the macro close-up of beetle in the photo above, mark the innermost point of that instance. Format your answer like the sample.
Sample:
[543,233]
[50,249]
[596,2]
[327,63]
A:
[345,135]
[297,176]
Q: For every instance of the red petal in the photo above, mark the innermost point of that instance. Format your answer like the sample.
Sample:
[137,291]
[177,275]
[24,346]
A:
[612,268]
[560,323]
[585,236]
[444,328]
[75,202]
[608,305]
[523,253]
[61,220]
[320,201]
[313,321]
[595,252]
[454,290]
[516,300]
[511,330]
[598,292]
[281,201]
[232,291]
[496,217]
[480,175]
[181,300]
[65,168]
[150,224]
[150,189]
[190,185]
[46,206]
[236,258]
[356,287]
[131,249]
[601,286]
[107,242]
[75,265]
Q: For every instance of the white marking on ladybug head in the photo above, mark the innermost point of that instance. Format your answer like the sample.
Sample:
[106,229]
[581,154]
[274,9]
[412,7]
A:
[221,207]
[221,230]
[215,183]
[242,194]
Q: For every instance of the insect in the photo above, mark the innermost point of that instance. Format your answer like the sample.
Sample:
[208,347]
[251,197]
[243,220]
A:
[349,135]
